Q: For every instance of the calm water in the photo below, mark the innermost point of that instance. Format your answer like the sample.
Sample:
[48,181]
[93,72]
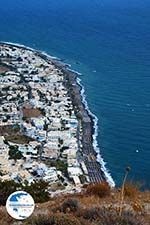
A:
[110,40]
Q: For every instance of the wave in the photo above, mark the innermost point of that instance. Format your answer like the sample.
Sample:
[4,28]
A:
[31,49]
[74,71]
[69,67]
[95,143]
[95,119]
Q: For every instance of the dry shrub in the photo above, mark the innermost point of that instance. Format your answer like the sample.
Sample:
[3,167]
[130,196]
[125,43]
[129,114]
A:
[90,214]
[55,219]
[70,205]
[137,206]
[2,214]
[111,217]
[99,189]
[5,219]
[85,185]
[131,190]
[90,200]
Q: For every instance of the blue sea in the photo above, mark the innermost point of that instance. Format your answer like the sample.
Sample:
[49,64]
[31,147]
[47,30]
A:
[108,41]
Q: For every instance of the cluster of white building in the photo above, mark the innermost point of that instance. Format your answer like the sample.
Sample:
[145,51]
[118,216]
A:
[38,83]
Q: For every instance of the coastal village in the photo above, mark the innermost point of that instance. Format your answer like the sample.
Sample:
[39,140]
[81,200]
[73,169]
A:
[40,134]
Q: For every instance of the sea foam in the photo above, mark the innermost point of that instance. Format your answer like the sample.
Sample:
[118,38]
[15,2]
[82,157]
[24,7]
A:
[95,143]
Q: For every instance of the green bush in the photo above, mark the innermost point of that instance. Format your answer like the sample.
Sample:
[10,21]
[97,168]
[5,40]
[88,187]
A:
[6,188]
[38,190]
[14,153]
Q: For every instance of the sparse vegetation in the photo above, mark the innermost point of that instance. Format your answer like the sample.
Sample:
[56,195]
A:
[122,194]
[19,139]
[78,209]
[109,216]
[99,189]
[9,130]
[70,204]
[55,219]
[90,214]
[131,190]
[5,219]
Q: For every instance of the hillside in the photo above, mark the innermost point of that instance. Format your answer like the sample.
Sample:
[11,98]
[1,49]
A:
[96,205]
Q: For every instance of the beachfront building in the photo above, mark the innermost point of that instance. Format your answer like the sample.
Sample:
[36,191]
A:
[37,120]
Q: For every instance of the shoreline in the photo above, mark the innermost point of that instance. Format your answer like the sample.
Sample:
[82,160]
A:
[95,164]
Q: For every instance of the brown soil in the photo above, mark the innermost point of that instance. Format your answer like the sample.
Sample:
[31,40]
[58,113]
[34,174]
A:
[9,130]
[3,69]
[30,112]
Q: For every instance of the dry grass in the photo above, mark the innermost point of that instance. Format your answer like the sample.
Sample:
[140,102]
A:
[5,219]
[70,204]
[89,215]
[131,190]
[100,190]
[90,200]
[145,196]
[83,209]
[109,216]
[55,219]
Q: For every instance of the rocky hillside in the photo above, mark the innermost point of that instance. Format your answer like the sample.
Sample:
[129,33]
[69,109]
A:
[96,205]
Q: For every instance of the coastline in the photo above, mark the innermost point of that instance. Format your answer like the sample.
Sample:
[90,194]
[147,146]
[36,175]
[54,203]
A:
[91,154]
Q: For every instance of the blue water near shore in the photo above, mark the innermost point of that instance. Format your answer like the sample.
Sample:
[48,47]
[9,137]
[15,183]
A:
[108,41]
